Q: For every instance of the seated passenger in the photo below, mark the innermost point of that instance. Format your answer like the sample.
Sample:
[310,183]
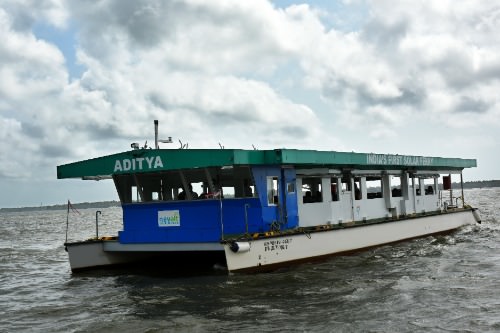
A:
[204,191]
[248,189]
[182,195]
[429,190]
[308,197]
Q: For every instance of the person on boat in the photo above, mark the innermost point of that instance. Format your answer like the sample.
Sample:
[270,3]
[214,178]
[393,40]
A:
[205,194]
[308,197]
[429,190]
[182,195]
[248,189]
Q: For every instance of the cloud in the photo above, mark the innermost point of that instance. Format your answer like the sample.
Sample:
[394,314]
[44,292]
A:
[243,73]
[406,55]
[31,77]
[25,13]
[187,64]
[467,104]
[31,68]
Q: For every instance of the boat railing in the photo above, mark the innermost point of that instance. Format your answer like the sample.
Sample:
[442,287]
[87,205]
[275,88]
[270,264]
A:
[97,213]
[451,202]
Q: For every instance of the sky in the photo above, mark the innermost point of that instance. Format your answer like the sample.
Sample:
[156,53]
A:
[82,79]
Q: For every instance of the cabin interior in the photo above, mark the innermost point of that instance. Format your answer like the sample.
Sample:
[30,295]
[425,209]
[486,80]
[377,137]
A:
[192,184]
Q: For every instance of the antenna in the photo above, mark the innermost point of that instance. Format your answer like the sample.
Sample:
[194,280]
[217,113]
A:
[221,146]
[156,134]
[169,140]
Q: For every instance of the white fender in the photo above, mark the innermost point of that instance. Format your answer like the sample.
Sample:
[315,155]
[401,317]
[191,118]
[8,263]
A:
[477,217]
[240,247]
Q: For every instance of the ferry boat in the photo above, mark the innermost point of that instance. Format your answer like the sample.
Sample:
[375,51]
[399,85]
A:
[257,210]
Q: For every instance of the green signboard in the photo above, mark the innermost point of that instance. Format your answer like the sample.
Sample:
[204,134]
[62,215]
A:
[156,160]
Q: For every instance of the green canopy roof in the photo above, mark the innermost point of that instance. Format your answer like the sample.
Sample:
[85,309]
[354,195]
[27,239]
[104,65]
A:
[157,160]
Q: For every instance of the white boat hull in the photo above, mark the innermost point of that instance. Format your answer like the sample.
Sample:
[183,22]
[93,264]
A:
[104,253]
[91,254]
[268,253]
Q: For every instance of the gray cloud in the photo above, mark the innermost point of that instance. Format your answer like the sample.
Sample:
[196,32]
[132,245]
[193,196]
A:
[226,117]
[295,132]
[383,35]
[104,131]
[52,12]
[54,150]
[471,105]
[33,130]
[21,20]
[159,101]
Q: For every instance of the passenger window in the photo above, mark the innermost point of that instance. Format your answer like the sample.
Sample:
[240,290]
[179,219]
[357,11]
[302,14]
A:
[272,190]
[396,187]
[357,188]
[312,190]
[227,192]
[416,181]
[346,184]
[429,186]
[334,189]
[374,187]
[135,194]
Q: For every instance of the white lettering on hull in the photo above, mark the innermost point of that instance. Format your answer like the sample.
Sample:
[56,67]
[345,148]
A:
[153,162]
[277,244]
[386,159]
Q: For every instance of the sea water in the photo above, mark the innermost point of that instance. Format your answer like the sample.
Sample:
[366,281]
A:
[433,284]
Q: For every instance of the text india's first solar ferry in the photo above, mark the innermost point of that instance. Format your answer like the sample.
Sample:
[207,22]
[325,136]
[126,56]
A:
[257,210]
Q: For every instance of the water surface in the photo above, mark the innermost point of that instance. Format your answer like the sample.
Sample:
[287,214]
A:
[433,284]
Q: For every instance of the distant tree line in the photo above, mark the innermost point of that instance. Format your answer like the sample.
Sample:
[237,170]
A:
[478,184]
[82,205]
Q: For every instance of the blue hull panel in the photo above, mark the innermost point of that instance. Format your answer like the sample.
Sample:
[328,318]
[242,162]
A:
[189,221]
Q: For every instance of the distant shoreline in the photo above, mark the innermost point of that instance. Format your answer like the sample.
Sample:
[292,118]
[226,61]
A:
[106,204]
[81,205]
[478,184]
